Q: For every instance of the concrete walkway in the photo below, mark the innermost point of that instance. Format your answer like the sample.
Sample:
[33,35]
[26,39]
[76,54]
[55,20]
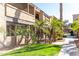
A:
[6,51]
[69,48]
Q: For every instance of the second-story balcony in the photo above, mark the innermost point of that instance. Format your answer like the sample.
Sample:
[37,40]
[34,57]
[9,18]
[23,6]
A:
[20,11]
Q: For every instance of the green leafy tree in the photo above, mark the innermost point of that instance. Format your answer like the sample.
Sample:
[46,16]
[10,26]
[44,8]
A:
[55,28]
[25,31]
[75,26]
[22,31]
[39,25]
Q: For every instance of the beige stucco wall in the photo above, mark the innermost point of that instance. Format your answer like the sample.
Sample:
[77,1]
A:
[41,16]
[4,41]
[2,25]
[31,9]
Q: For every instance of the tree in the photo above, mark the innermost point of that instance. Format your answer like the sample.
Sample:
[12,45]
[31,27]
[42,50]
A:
[55,28]
[61,11]
[75,26]
[52,28]
[39,25]
[22,31]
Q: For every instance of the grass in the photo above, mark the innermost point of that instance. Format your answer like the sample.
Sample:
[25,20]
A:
[36,50]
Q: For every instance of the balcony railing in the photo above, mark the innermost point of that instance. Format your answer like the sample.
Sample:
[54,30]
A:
[12,11]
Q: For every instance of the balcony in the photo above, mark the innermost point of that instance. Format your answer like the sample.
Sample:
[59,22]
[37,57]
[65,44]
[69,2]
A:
[20,11]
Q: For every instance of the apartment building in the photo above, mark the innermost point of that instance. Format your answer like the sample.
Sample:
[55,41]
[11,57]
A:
[21,14]
[75,16]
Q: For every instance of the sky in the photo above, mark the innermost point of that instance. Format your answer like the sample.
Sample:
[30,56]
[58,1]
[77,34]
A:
[52,9]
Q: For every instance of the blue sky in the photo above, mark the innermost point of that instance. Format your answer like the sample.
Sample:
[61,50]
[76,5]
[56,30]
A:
[53,9]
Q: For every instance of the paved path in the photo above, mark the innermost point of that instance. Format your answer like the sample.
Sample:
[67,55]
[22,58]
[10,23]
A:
[69,48]
[6,51]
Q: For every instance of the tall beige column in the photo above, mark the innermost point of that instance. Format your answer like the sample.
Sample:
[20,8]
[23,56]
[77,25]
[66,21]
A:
[28,7]
[34,12]
[2,24]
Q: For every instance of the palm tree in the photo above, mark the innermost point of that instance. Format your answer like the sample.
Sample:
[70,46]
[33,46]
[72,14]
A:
[51,27]
[61,11]
[75,26]
[39,25]
[22,31]
[55,27]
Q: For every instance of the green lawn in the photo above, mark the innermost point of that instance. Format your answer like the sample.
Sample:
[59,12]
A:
[36,50]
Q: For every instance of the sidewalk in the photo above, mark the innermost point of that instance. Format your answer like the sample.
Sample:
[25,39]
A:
[6,51]
[69,48]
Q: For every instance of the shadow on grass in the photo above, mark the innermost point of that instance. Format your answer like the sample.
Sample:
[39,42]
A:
[35,47]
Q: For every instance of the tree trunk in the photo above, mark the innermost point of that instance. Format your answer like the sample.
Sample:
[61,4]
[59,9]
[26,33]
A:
[38,35]
[50,39]
[19,41]
[50,36]
[78,35]
[53,33]
[38,41]
[26,39]
[45,38]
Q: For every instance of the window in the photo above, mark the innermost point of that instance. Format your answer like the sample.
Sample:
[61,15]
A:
[37,16]
[10,30]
